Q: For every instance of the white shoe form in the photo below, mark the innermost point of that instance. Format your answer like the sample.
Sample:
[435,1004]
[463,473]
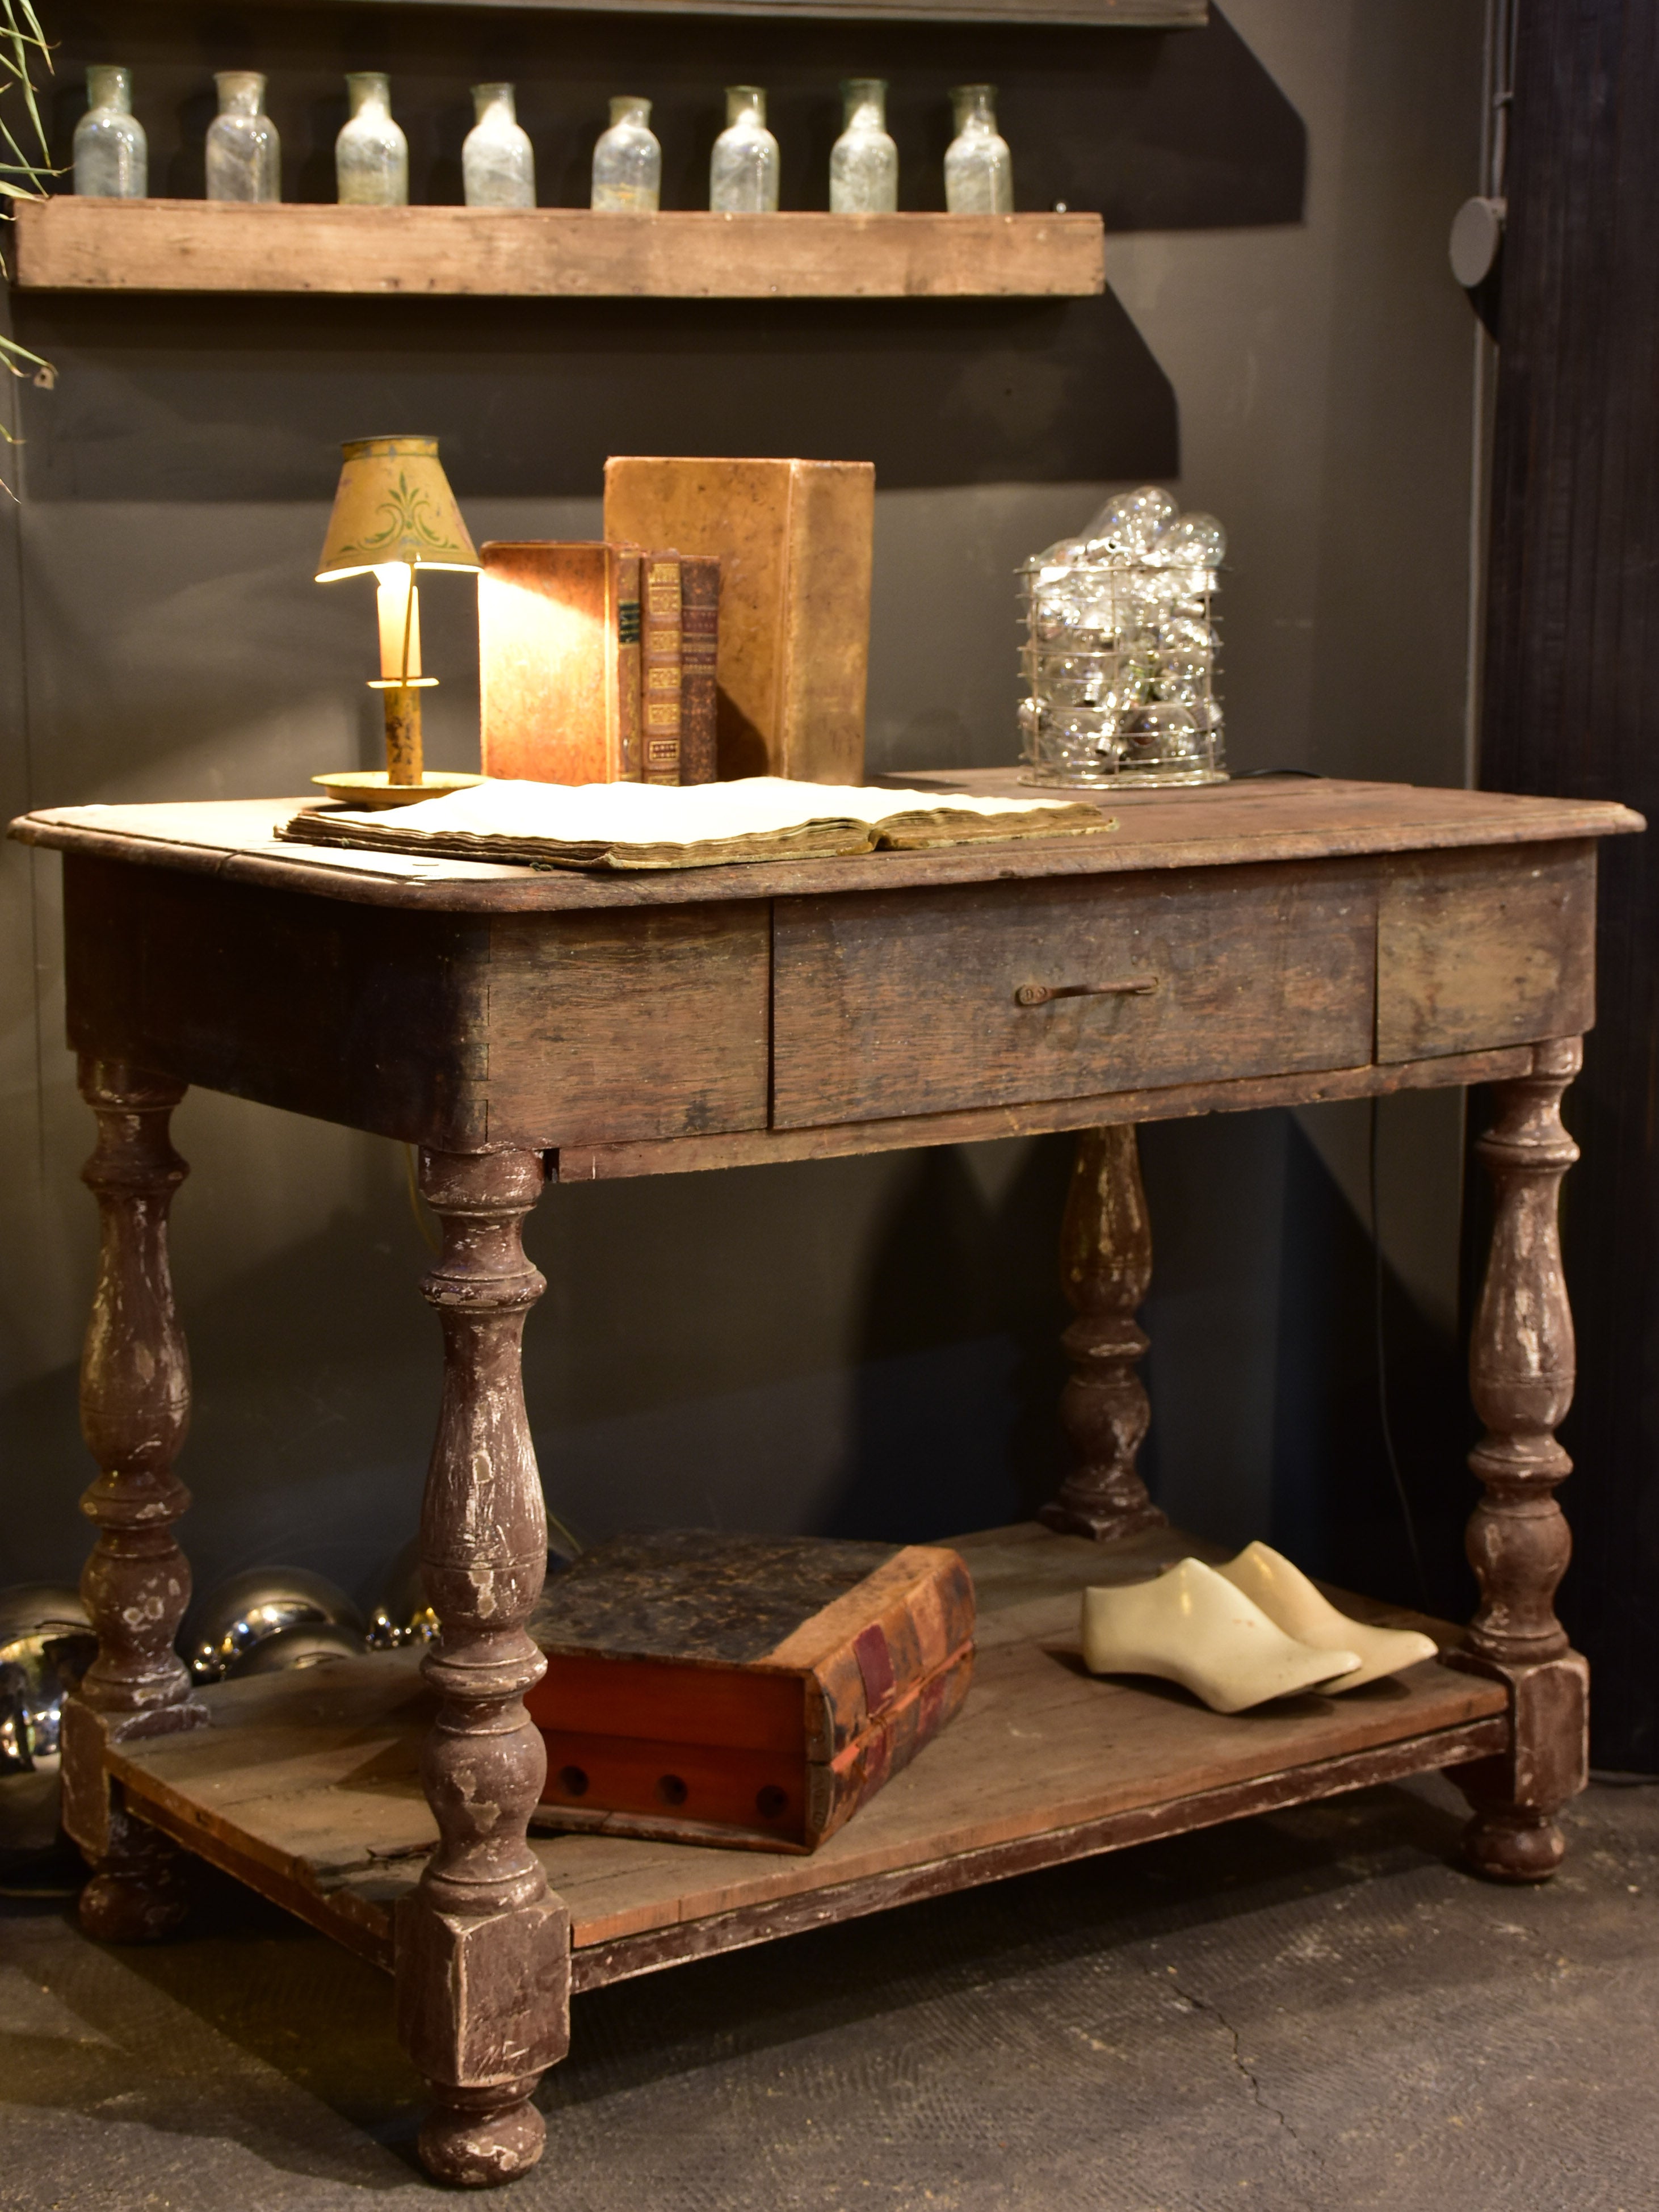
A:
[1293,1603]
[1191,1626]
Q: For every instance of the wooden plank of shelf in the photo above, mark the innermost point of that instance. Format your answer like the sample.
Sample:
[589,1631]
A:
[66,244]
[306,1786]
[1124,15]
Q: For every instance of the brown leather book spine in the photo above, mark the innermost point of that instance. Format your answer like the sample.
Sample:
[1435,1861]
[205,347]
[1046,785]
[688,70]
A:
[835,1790]
[661,656]
[630,744]
[700,582]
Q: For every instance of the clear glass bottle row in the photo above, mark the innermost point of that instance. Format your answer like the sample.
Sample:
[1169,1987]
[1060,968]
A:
[498,163]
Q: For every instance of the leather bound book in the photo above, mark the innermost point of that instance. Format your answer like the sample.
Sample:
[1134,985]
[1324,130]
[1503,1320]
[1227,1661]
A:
[700,592]
[748,1691]
[554,662]
[661,641]
[630,743]
[794,541]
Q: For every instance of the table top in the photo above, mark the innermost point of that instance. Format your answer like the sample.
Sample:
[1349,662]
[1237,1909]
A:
[1258,819]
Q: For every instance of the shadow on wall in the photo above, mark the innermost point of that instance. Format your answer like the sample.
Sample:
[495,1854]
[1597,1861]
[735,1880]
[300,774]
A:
[159,396]
[1158,132]
[313,1421]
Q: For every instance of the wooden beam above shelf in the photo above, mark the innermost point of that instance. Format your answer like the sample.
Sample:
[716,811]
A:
[1122,15]
[66,244]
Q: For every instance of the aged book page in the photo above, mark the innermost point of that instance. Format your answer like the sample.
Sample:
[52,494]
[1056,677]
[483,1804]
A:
[638,825]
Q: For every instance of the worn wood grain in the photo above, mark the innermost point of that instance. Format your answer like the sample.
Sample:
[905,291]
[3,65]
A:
[342,1013]
[482,1943]
[1295,819]
[66,244]
[312,1782]
[135,1412]
[1475,949]
[630,1955]
[1174,1101]
[1105,1272]
[1127,15]
[1522,1366]
[438,1029]
[879,996]
[643,1025]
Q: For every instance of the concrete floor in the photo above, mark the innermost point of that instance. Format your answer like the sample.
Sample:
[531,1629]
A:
[1314,2010]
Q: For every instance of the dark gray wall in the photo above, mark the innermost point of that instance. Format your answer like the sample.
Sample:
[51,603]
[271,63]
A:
[861,1345]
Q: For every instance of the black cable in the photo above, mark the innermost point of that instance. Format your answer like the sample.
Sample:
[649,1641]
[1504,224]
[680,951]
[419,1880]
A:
[1382,1373]
[1249,774]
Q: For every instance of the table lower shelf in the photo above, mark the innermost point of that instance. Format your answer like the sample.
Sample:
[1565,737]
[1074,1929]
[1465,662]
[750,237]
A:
[305,1785]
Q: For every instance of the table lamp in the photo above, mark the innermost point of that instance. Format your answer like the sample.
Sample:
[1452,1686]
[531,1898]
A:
[393,513]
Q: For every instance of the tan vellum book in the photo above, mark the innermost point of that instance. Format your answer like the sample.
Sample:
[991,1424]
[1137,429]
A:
[702,825]
[794,540]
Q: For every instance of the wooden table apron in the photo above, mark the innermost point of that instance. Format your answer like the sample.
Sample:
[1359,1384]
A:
[1259,947]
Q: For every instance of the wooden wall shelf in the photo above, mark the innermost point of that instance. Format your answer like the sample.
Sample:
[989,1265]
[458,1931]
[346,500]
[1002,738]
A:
[1123,15]
[66,244]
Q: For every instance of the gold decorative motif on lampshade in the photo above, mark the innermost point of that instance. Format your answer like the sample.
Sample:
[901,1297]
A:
[394,506]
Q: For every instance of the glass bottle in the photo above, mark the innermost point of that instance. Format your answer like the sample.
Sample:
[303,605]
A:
[498,162]
[864,161]
[627,160]
[111,155]
[743,173]
[979,175]
[244,153]
[371,154]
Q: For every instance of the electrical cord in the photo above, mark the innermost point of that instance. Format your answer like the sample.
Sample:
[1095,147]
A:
[1405,1514]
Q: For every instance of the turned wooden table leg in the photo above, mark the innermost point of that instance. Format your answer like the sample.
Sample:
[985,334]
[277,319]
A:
[483,1945]
[1521,1368]
[1106,1270]
[135,1409]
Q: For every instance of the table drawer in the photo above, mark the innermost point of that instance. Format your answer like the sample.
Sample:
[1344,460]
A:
[1483,949]
[918,1002]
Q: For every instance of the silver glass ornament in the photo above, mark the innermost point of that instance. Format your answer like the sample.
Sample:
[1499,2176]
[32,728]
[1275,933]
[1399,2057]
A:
[250,1608]
[46,1644]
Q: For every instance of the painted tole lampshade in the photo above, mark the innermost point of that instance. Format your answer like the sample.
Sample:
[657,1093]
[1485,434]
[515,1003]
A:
[395,514]
[394,504]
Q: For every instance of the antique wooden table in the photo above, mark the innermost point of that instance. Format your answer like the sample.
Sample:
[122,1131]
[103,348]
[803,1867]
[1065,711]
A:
[1240,945]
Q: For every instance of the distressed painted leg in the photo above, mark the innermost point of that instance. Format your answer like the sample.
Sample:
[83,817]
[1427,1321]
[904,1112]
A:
[483,1945]
[1106,1269]
[1521,1370]
[135,1409]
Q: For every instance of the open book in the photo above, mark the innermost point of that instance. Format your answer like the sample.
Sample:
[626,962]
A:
[638,825]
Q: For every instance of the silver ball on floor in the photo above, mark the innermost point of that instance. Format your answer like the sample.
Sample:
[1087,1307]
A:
[46,1644]
[261,1606]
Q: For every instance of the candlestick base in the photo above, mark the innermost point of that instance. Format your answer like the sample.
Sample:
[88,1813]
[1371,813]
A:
[367,787]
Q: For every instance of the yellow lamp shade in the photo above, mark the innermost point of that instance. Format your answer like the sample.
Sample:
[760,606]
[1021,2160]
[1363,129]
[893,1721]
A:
[393,507]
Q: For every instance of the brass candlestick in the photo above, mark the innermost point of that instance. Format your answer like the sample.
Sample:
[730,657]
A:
[394,512]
